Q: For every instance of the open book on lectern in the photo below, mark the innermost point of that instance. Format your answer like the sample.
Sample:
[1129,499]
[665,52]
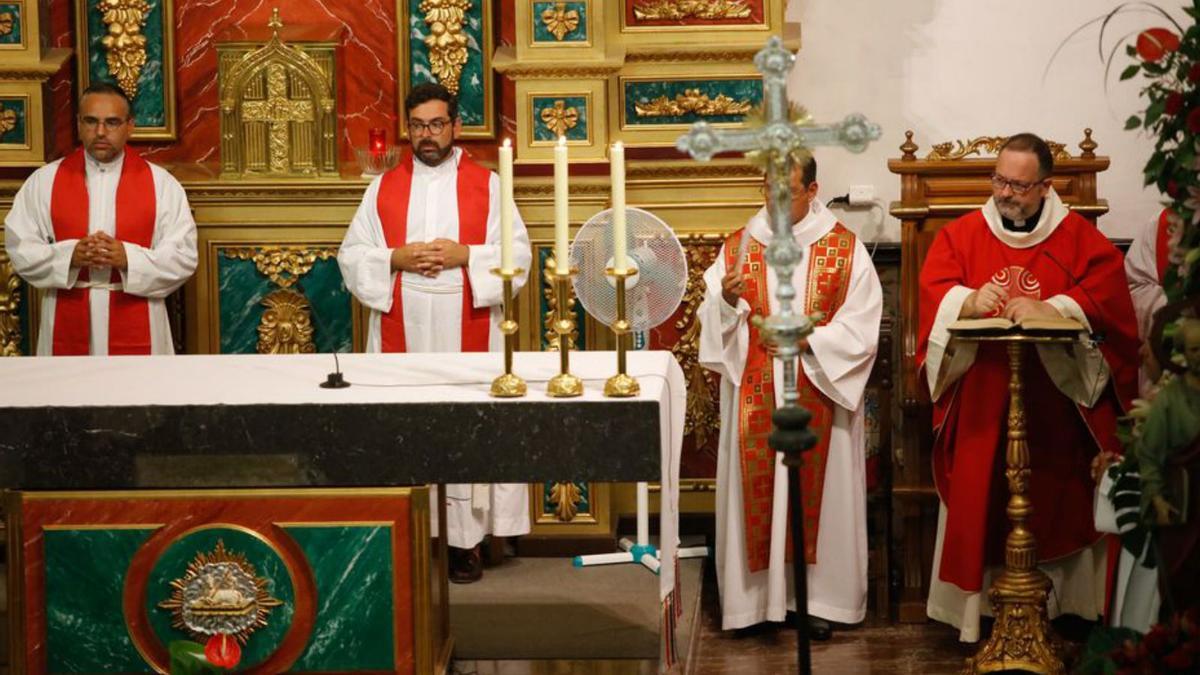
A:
[999,323]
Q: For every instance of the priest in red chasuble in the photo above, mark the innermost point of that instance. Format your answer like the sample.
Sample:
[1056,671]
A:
[836,277]
[419,254]
[1024,255]
[106,236]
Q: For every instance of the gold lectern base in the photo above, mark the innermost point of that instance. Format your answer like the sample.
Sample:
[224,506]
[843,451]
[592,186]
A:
[1022,638]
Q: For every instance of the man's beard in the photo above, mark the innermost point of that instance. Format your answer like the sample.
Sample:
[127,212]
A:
[436,157]
[1011,210]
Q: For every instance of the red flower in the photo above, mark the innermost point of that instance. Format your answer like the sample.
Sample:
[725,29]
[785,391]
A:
[1193,121]
[1179,659]
[1174,103]
[1157,640]
[1155,43]
[1194,73]
[223,651]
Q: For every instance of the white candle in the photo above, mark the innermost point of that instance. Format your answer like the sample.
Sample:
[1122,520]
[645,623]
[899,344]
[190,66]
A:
[506,206]
[617,159]
[561,223]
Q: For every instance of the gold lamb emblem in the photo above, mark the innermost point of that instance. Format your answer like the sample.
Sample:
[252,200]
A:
[220,594]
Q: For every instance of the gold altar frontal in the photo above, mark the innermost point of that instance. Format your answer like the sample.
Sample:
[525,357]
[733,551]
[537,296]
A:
[1022,637]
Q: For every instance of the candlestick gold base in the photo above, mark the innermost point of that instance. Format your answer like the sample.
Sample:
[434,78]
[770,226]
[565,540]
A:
[621,385]
[508,385]
[564,385]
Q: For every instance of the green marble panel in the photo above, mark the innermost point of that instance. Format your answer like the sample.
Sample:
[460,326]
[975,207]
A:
[541,132]
[85,581]
[18,135]
[353,571]
[474,87]
[13,37]
[585,498]
[267,564]
[150,104]
[544,253]
[542,34]
[241,289]
[740,90]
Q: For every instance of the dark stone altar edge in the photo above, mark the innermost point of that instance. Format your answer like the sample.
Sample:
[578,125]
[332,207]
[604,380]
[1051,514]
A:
[331,445]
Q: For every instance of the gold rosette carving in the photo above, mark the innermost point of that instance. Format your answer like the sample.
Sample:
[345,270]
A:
[286,324]
[692,102]
[8,120]
[702,417]
[125,45]
[559,20]
[566,498]
[560,118]
[680,10]
[7,22]
[447,41]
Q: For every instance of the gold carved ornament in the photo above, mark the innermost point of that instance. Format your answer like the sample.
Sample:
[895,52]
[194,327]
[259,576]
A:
[692,102]
[279,112]
[679,10]
[125,44]
[951,150]
[551,335]
[286,324]
[559,20]
[560,118]
[10,305]
[220,594]
[566,498]
[447,43]
[7,21]
[702,418]
[8,120]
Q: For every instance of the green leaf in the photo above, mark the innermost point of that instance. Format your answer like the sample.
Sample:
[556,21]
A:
[1155,111]
[1130,50]
[1133,122]
[1130,71]
[187,658]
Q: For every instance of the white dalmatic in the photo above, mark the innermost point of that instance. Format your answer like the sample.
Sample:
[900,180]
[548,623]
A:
[838,363]
[433,314]
[154,273]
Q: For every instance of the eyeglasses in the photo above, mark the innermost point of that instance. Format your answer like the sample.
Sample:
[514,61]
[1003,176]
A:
[110,123]
[435,127]
[1019,188]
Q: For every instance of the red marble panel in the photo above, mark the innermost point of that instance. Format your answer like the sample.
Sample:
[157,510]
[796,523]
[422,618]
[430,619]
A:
[368,82]
[61,116]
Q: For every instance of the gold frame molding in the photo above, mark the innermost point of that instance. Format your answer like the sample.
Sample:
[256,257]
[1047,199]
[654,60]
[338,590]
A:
[594,148]
[487,130]
[169,131]
[32,152]
[23,45]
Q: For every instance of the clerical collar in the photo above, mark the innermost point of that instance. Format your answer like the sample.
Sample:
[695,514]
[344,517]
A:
[1026,225]
[114,163]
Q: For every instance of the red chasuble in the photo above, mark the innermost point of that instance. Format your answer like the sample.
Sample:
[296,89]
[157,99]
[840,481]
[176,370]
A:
[828,279]
[473,202]
[969,419]
[136,209]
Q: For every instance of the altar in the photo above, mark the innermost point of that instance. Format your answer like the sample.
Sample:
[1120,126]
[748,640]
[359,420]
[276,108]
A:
[128,486]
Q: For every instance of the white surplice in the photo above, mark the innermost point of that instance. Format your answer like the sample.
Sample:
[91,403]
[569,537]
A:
[154,273]
[1081,375]
[433,314]
[838,364]
[1141,269]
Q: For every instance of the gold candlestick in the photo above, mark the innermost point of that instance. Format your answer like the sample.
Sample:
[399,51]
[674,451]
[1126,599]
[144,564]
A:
[508,385]
[621,385]
[563,385]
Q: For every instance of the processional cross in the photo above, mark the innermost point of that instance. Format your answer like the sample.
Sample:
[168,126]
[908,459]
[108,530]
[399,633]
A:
[777,139]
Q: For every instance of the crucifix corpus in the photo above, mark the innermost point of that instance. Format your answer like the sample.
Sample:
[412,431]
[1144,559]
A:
[777,139]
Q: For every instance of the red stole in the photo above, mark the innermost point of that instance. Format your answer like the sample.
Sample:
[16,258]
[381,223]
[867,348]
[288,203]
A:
[1162,245]
[829,268]
[1076,260]
[473,202]
[136,209]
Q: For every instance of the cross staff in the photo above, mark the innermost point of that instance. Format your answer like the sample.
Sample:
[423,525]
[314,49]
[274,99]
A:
[777,139]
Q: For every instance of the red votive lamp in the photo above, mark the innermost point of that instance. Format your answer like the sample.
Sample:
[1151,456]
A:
[377,141]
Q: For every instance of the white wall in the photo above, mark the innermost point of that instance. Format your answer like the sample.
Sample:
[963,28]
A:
[958,69]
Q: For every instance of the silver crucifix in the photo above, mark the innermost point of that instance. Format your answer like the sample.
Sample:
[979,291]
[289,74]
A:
[777,139]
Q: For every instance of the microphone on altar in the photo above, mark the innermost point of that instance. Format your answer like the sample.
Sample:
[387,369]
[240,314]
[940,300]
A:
[335,380]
